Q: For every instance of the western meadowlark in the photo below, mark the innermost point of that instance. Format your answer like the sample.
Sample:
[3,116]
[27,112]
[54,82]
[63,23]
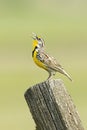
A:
[45,61]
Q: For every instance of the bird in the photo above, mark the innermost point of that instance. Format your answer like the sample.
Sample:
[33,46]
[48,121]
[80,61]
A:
[45,61]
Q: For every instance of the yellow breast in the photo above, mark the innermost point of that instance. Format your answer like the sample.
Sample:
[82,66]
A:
[38,62]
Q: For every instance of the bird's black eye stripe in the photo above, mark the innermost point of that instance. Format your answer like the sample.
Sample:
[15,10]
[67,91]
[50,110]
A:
[34,51]
[38,38]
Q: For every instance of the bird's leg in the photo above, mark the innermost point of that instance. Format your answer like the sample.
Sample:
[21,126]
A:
[50,75]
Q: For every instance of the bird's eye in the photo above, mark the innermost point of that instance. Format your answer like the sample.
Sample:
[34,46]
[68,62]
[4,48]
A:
[39,39]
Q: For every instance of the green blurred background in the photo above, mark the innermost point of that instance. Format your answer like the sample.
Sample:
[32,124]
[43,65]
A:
[63,25]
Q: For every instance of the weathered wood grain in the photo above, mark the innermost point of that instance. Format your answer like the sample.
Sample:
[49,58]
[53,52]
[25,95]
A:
[52,107]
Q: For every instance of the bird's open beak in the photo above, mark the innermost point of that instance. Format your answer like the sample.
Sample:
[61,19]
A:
[34,36]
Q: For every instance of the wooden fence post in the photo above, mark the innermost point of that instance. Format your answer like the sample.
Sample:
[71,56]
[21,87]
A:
[52,107]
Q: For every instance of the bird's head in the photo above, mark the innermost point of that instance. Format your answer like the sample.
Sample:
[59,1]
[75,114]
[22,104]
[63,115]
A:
[37,41]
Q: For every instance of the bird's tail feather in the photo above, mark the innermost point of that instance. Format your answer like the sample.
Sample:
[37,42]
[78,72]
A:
[62,71]
[66,74]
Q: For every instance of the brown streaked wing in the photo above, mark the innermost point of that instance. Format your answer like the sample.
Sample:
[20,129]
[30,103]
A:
[50,62]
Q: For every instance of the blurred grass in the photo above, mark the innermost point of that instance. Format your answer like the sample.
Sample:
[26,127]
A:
[63,25]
